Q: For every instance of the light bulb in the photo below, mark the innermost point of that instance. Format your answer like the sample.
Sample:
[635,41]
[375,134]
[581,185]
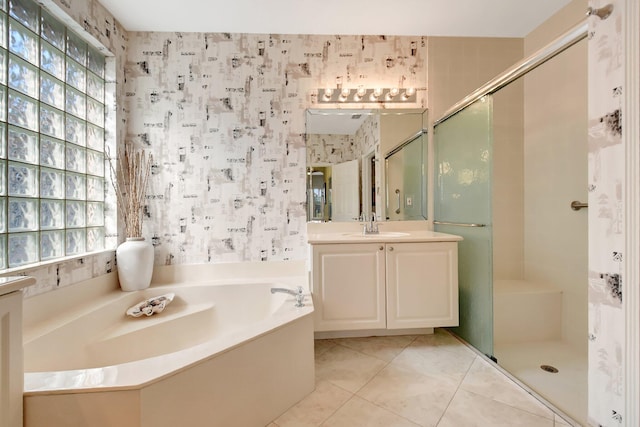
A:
[360,93]
[344,94]
[375,94]
[328,93]
[409,92]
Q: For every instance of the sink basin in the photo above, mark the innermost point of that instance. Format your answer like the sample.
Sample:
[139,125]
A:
[380,234]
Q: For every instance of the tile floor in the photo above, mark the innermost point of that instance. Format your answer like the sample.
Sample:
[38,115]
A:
[423,380]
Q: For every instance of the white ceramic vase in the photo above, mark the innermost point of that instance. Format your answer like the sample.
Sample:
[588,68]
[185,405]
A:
[135,264]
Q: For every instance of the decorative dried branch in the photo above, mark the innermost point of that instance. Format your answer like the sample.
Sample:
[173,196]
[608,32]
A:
[130,184]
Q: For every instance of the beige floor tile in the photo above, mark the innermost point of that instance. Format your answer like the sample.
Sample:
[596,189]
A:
[315,408]
[559,421]
[428,358]
[417,397]
[320,346]
[358,412]
[443,340]
[487,381]
[472,410]
[383,348]
[347,368]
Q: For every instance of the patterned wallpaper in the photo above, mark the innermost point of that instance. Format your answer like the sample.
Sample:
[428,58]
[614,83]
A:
[326,148]
[606,218]
[223,115]
[331,149]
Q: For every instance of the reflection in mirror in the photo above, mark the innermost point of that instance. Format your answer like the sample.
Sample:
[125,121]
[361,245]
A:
[346,177]
[319,178]
[403,168]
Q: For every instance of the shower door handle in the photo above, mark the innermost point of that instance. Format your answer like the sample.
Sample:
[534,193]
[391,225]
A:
[459,224]
[398,194]
[576,205]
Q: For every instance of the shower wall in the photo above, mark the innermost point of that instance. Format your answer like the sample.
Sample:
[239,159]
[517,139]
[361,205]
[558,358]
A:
[555,172]
[457,66]
[508,182]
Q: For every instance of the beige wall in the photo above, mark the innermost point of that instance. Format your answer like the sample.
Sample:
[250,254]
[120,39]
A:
[555,154]
[508,180]
[457,66]
[395,129]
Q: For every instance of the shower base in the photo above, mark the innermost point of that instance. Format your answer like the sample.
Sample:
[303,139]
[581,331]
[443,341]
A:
[566,389]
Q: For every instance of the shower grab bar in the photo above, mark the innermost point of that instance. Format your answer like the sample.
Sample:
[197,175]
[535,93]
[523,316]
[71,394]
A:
[576,205]
[398,193]
[459,224]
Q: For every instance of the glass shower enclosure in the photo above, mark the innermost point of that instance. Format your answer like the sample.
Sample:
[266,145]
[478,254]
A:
[463,162]
[509,169]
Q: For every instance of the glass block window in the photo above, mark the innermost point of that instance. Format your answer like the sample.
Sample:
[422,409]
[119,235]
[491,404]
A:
[51,138]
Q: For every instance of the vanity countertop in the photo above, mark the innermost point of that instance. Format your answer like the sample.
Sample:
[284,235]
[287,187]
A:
[15,283]
[407,236]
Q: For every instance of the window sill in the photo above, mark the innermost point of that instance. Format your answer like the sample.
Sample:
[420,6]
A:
[21,271]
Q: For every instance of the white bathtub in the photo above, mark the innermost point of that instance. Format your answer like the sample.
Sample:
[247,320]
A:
[225,352]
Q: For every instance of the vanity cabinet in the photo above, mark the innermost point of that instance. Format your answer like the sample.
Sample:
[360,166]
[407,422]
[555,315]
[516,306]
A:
[358,286]
[349,286]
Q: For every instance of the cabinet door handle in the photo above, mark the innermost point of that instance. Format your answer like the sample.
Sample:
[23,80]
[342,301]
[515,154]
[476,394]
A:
[390,248]
[381,248]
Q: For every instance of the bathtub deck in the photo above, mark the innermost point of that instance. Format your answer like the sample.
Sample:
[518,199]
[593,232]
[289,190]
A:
[242,377]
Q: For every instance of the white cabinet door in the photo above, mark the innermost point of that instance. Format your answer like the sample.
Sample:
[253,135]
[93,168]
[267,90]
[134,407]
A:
[422,285]
[348,286]
[11,371]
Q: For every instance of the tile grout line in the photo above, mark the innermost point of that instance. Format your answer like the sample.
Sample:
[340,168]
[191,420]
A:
[389,362]
[315,380]
[457,390]
[493,366]
[555,410]
[355,394]
[552,419]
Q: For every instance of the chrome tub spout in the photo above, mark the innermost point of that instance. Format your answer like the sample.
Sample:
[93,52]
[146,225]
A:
[298,293]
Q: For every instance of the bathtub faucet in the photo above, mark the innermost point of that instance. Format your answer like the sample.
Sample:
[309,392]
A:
[298,293]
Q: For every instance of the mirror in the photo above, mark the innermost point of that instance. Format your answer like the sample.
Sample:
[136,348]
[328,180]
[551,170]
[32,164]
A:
[366,162]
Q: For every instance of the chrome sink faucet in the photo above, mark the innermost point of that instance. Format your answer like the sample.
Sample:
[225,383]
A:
[372,226]
[298,293]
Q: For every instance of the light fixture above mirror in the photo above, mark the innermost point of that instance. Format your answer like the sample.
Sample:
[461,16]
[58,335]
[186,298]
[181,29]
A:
[361,94]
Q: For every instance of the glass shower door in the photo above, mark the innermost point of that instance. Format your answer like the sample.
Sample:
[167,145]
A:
[463,160]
